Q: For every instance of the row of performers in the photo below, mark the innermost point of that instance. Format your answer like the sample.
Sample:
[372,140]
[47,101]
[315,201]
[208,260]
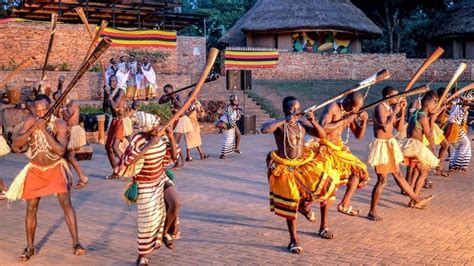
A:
[137,77]
[301,173]
[298,174]
[50,149]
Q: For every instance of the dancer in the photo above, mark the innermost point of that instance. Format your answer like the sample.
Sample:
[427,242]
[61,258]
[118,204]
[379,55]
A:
[232,135]
[116,98]
[183,125]
[296,176]
[132,66]
[456,134]
[193,138]
[47,173]
[152,182]
[337,117]
[150,76]
[385,154]
[77,136]
[111,69]
[412,147]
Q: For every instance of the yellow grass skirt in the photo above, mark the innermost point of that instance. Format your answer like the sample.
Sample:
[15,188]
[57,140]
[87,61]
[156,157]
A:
[293,180]
[340,158]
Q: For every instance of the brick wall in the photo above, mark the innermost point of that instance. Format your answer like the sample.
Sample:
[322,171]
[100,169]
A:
[21,39]
[304,66]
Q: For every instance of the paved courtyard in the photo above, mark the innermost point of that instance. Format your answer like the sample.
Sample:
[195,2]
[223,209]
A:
[225,219]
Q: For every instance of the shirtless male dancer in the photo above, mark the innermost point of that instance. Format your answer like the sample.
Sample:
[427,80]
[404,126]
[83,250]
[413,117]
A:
[46,173]
[385,154]
[296,177]
[77,136]
[117,99]
[337,117]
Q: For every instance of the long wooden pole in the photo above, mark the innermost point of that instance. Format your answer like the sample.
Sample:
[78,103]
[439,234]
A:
[17,70]
[54,23]
[96,37]
[208,79]
[211,59]
[456,76]
[459,92]
[99,50]
[418,90]
[83,17]
[375,78]
[430,60]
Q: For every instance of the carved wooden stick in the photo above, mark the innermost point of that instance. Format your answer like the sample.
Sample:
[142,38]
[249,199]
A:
[430,60]
[54,23]
[99,50]
[17,70]
[375,78]
[459,92]
[456,76]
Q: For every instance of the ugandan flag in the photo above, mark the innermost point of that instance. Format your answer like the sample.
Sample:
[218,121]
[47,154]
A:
[141,38]
[235,59]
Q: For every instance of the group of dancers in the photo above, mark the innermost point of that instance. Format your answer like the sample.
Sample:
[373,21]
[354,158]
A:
[137,76]
[302,172]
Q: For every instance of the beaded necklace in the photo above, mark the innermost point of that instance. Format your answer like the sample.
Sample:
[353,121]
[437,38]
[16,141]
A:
[287,138]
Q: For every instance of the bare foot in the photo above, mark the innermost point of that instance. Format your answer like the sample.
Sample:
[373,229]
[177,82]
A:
[374,217]
[421,204]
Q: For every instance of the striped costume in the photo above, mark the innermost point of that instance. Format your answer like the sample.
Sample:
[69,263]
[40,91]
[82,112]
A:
[230,116]
[151,202]
[456,133]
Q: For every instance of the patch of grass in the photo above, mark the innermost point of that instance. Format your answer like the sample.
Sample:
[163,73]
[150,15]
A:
[90,110]
[162,110]
[266,105]
[270,93]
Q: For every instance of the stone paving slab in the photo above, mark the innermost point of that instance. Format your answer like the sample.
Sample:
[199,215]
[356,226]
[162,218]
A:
[225,219]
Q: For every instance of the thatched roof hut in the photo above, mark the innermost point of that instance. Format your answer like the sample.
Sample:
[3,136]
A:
[289,16]
[455,31]
[457,22]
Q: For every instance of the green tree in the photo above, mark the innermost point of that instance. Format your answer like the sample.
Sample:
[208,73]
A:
[221,16]
[405,23]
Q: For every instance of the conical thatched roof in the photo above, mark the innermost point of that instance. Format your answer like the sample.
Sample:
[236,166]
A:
[289,15]
[458,21]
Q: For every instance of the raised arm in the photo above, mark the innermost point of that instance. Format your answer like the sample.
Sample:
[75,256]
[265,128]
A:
[359,128]
[115,104]
[312,127]
[68,112]
[425,124]
[272,126]
[400,123]
[22,136]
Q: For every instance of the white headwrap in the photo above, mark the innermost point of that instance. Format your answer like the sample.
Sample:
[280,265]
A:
[144,121]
